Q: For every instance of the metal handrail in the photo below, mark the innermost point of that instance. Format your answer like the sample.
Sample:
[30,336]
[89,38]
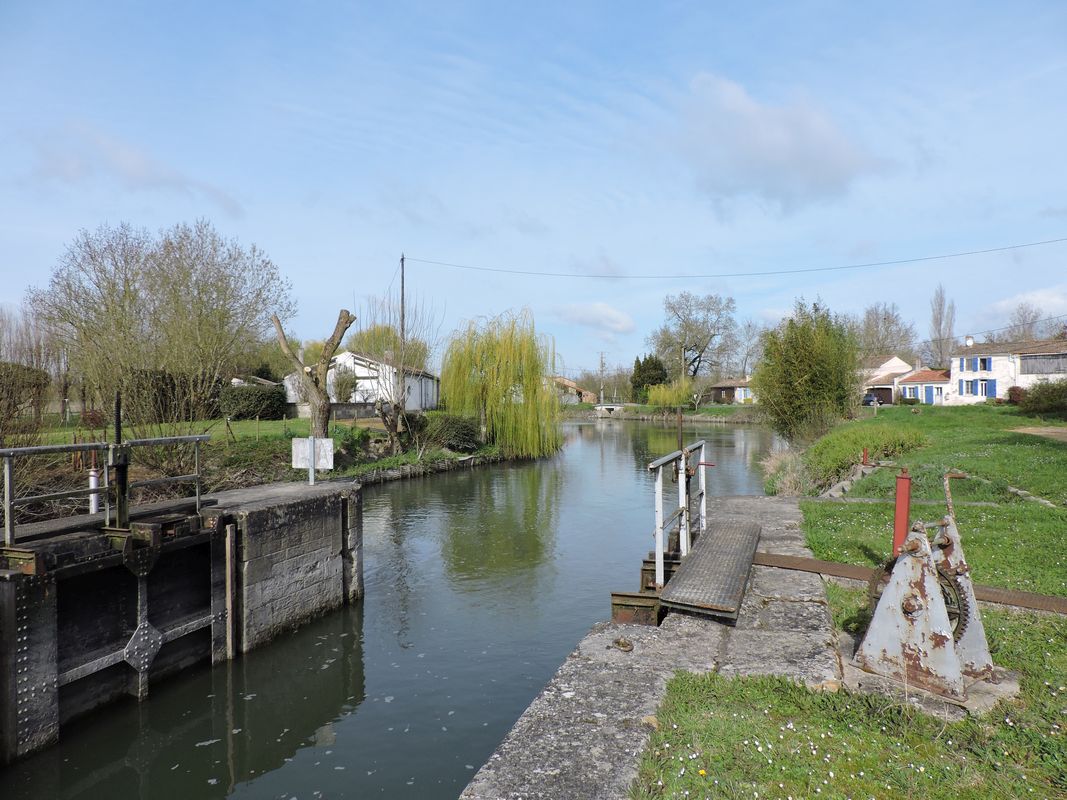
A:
[47,449]
[683,512]
[9,454]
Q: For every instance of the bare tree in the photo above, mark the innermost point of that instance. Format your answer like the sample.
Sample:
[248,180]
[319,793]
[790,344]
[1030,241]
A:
[165,319]
[1023,321]
[699,333]
[883,331]
[312,377]
[749,347]
[938,349]
[404,352]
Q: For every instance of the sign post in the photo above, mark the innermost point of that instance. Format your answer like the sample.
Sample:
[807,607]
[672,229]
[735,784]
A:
[312,454]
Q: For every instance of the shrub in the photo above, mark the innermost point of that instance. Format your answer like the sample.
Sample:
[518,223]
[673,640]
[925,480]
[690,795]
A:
[807,379]
[93,418]
[1047,397]
[909,401]
[452,431]
[1016,395]
[785,473]
[832,457]
[350,439]
[251,401]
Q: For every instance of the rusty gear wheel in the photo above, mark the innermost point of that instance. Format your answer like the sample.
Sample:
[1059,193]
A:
[956,603]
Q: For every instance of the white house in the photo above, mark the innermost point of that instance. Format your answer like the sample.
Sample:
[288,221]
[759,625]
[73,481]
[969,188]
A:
[929,386]
[984,370]
[373,380]
[880,374]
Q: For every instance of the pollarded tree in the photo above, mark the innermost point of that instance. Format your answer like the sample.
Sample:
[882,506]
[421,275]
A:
[500,372]
[312,376]
[808,379]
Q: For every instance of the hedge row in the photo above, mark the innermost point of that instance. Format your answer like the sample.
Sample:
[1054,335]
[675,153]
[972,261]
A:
[251,401]
[832,457]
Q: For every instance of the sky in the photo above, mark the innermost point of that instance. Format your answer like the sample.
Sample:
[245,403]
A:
[607,140]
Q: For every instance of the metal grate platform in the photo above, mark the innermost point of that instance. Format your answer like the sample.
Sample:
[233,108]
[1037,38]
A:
[712,578]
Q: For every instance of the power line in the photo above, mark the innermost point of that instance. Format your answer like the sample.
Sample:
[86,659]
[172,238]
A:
[991,330]
[796,271]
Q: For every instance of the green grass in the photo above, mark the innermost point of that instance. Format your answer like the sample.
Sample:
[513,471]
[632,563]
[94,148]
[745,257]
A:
[770,738]
[832,456]
[978,440]
[1015,546]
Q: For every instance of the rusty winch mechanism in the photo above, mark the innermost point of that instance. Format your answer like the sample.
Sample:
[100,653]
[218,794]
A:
[925,630]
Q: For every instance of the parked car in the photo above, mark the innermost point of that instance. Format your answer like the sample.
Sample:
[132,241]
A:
[870,399]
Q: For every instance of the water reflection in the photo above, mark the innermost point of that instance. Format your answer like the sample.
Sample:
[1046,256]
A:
[502,524]
[478,585]
[206,735]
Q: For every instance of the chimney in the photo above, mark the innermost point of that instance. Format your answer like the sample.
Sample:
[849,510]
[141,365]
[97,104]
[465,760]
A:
[969,341]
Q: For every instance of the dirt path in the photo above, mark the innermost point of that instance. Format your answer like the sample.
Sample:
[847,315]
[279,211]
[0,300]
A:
[1059,434]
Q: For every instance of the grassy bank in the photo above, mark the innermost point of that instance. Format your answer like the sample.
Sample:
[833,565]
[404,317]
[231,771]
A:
[1013,543]
[769,738]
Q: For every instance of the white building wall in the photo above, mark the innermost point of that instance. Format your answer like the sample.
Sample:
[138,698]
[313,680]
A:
[375,381]
[1006,370]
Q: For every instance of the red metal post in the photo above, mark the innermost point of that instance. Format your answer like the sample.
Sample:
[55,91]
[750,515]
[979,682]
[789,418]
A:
[865,461]
[902,513]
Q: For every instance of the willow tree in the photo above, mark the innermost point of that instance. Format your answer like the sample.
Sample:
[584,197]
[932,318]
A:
[500,372]
[666,396]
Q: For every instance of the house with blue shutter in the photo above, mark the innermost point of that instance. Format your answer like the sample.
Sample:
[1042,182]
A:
[980,371]
[929,387]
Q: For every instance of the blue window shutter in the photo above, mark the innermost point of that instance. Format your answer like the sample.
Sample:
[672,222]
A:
[991,388]
[974,364]
[974,387]
[961,384]
[961,370]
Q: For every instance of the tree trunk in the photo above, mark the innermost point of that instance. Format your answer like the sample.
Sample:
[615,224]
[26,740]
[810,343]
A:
[320,416]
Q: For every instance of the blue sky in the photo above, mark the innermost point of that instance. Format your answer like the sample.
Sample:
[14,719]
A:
[608,139]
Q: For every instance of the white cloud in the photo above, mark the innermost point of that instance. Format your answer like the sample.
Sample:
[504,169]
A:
[788,155]
[607,320]
[82,152]
[1052,301]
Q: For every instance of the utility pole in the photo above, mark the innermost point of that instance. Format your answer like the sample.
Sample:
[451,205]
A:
[602,377]
[400,358]
[681,377]
[402,331]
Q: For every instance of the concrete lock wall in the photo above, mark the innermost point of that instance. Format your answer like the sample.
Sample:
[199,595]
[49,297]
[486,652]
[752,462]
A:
[88,616]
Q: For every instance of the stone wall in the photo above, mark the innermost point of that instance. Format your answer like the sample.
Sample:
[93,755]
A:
[299,554]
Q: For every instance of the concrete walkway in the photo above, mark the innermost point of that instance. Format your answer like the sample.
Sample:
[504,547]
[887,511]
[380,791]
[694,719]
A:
[583,736]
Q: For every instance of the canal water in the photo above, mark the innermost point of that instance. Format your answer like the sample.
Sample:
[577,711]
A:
[478,585]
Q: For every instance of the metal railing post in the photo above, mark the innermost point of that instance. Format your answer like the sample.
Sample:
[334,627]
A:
[9,511]
[683,502]
[703,487]
[659,528]
[94,484]
[107,495]
[196,469]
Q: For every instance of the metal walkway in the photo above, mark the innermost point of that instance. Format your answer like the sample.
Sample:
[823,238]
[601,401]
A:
[712,578]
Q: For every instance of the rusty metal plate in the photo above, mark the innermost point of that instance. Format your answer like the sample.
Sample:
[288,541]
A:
[712,578]
[635,608]
[141,650]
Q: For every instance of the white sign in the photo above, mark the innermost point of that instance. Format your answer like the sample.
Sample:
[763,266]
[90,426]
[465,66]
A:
[302,453]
